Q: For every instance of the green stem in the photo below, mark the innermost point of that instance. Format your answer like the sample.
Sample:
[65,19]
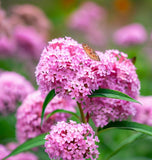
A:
[81,112]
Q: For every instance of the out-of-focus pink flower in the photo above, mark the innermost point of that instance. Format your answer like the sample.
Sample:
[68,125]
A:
[144,110]
[32,16]
[88,19]
[28,41]
[65,67]
[88,15]
[71,141]
[24,156]
[13,89]
[132,34]
[29,115]
[4,151]
[7,45]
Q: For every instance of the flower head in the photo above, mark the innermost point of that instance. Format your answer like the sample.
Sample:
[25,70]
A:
[143,110]
[130,35]
[29,115]
[65,67]
[13,89]
[71,141]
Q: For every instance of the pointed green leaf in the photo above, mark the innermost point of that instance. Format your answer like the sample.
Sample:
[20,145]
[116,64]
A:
[48,98]
[128,125]
[126,142]
[62,111]
[32,143]
[112,94]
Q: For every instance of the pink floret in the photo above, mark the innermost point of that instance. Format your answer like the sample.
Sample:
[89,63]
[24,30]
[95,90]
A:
[29,115]
[13,89]
[65,67]
[144,110]
[71,141]
[132,34]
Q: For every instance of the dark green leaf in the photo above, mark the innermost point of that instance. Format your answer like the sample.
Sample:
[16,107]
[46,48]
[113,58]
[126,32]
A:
[126,142]
[62,111]
[32,143]
[112,94]
[128,125]
[48,98]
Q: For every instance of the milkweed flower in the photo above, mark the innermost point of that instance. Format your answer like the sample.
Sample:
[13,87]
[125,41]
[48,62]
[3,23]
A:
[29,115]
[71,141]
[65,67]
[13,89]
[132,34]
[4,151]
[143,110]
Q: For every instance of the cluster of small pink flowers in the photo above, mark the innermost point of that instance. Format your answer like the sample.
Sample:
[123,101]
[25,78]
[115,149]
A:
[88,19]
[29,115]
[65,67]
[132,34]
[5,151]
[71,141]
[143,110]
[13,89]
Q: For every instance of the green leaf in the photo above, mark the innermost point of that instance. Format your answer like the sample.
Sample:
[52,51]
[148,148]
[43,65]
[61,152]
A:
[126,142]
[48,98]
[129,126]
[62,111]
[32,143]
[108,93]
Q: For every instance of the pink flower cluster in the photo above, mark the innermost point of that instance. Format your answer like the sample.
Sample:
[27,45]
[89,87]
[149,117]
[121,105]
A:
[88,19]
[4,151]
[65,67]
[13,89]
[71,141]
[132,34]
[143,110]
[29,115]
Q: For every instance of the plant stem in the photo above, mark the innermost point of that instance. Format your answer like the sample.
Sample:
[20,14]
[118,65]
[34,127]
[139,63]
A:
[81,112]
